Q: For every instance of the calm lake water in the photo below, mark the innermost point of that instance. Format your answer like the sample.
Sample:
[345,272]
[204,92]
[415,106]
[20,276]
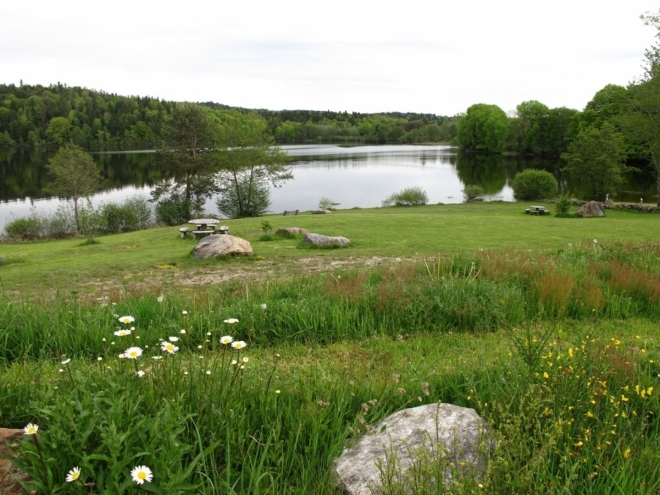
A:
[353,176]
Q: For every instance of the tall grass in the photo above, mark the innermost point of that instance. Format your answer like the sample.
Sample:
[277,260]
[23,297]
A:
[581,419]
[483,292]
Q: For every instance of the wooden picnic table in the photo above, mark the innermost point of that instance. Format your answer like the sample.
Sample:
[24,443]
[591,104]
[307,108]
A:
[203,223]
[537,210]
[206,226]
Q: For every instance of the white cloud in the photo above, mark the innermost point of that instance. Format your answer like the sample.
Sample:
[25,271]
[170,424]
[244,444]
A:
[425,56]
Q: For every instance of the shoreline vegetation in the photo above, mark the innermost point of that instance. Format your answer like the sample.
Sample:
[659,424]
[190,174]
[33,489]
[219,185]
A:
[250,375]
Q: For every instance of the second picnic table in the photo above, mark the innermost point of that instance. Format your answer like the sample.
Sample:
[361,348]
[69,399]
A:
[537,210]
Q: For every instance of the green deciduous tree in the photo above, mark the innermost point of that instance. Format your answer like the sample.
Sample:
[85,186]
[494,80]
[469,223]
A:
[247,163]
[74,175]
[595,161]
[483,128]
[641,118]
[188,153]
[59,130]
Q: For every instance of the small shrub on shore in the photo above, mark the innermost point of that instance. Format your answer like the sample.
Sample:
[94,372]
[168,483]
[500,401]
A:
[533,184]
[412,196]
[473,191]
[133,214]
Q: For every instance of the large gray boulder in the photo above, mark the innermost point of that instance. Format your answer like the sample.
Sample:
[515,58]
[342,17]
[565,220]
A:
[458,434]
[221,245]
[591,209]
[292,231]
[324,240]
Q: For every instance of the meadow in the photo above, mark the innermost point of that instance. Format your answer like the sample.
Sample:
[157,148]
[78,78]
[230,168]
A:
[143,373]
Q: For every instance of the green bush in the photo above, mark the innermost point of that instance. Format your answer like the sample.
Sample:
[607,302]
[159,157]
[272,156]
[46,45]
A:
[24,228]
[563,205]
[173,210]
[326,203]
[62,223]
[133,214]
[533,184]
[411,196]
[473,191]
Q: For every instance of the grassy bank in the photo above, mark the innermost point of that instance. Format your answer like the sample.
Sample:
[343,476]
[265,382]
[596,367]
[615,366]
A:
[555,345]
[151,256]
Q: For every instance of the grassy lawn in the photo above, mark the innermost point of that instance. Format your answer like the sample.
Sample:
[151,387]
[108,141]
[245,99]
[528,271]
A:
[152,255]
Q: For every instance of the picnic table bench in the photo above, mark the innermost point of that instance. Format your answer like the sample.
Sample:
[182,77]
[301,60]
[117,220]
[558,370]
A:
[537,210]
[206,226]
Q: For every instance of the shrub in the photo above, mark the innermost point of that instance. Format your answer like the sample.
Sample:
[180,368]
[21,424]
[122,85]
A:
[24,228]
[133,214]
[473,191]
[243,199]
[141,212]
[62,223]
[563,205]
[411,196]
[173,210]
[92,222]
[533,184]
[326,203]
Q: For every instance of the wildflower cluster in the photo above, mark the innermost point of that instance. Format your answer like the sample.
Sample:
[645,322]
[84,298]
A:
[592,400]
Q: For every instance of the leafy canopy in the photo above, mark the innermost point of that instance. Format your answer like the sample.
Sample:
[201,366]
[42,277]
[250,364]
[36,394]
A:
[483,128]
[74,175]
[595,160]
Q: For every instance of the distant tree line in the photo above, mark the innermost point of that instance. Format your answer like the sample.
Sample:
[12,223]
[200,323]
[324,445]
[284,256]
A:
[57,114]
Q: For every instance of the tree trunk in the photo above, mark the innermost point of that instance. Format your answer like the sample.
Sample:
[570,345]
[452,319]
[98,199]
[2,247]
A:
[75,213]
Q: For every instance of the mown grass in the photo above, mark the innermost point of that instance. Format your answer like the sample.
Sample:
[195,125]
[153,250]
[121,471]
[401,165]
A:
[555,345]
[385,232]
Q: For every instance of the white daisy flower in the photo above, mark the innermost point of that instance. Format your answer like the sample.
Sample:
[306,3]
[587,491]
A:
[141,474]
[133,352]
[226,339]
[231,321]
[168,347]
[73,475]
[122,333]
[31,429]
[239,344]
[126,319]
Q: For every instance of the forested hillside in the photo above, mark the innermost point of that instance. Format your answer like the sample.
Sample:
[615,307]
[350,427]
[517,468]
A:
[38,115]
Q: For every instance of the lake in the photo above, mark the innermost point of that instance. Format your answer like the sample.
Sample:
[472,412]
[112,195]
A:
[353,176]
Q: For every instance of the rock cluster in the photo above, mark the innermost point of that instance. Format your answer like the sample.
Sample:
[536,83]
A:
[636,206]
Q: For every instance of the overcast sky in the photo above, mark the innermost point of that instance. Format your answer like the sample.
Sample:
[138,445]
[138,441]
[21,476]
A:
[430,56]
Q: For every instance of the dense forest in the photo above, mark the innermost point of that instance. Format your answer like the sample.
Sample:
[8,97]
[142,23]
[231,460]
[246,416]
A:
[38,115]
